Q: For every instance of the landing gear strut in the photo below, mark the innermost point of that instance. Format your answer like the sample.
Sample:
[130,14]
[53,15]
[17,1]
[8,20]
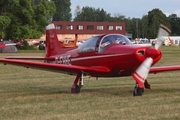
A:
[147,85]
[76,88]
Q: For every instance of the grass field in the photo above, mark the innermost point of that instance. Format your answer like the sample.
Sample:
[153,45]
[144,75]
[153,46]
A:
[30,94]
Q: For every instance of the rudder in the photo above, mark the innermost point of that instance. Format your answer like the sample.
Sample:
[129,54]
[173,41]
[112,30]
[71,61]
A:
[53,46]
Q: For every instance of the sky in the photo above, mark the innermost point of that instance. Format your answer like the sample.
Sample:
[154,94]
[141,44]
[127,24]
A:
[130,8]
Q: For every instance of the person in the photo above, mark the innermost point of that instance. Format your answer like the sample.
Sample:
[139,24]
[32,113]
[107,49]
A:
[117,41]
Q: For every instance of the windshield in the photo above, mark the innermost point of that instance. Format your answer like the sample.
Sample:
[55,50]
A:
[89,45]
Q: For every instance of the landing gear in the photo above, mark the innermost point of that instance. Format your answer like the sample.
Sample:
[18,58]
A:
[147,85]
[138,91]
[76,88]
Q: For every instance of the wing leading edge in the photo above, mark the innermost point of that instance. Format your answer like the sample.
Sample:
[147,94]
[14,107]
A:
[28,58]
[69,69]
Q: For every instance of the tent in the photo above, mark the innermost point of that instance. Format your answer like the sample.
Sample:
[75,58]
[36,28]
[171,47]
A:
[8,49]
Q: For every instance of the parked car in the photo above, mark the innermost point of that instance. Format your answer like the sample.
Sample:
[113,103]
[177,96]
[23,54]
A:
[133,41]
[145,42]
[42,45]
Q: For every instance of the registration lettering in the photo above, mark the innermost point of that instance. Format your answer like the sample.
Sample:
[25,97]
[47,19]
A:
[63,60]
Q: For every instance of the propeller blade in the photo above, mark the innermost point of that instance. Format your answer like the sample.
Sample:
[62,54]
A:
[142,71]
[163,31]
[159,42]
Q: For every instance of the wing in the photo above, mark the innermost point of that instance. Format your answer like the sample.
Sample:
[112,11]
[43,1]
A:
[69,69]
[28,58]
[2,45]
[164,68]
[9,44]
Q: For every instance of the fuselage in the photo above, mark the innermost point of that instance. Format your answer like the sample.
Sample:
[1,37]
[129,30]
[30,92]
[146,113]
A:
[122,60]
[112,51]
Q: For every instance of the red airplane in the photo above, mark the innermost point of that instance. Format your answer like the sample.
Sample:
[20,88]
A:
[9,44]
[105,55]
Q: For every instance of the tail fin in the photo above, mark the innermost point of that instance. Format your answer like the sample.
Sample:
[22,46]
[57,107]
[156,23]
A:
[53,46]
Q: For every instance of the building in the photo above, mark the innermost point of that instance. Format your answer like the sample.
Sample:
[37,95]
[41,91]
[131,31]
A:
[84,30]
[169,40]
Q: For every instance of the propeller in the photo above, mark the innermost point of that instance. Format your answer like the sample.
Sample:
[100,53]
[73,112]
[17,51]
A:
[142,71]
[163,31]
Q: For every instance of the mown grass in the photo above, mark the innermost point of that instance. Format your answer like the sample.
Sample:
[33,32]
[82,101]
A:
[30,94]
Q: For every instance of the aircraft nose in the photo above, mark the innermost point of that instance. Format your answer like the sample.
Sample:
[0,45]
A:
[152,52]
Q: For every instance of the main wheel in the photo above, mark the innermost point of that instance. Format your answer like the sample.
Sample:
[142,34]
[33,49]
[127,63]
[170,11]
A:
[76,89]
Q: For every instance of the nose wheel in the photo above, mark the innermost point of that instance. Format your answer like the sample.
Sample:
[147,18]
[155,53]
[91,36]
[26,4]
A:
[138,91]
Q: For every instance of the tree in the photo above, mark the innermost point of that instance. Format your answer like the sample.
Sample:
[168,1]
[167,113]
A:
[90,14]
[144,26]
[118,18]
[175,22]
[4,23]
[134,25]
[25,18]
[85,14]
[102,15]
[131,27]
[155,18]
[21,14]
[63,10]
[43,13]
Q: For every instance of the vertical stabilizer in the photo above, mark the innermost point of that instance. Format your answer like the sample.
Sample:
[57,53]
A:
[53,46]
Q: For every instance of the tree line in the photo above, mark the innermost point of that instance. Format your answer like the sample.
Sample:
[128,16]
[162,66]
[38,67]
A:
[145,27]
[20,19]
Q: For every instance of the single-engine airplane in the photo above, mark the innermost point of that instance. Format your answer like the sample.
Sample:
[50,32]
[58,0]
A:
[74,44]
[9,44]
[105,55]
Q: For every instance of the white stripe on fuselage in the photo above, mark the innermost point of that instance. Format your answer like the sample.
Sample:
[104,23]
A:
[99,56]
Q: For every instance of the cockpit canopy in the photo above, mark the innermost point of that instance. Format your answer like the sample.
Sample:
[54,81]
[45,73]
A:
[101,42]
